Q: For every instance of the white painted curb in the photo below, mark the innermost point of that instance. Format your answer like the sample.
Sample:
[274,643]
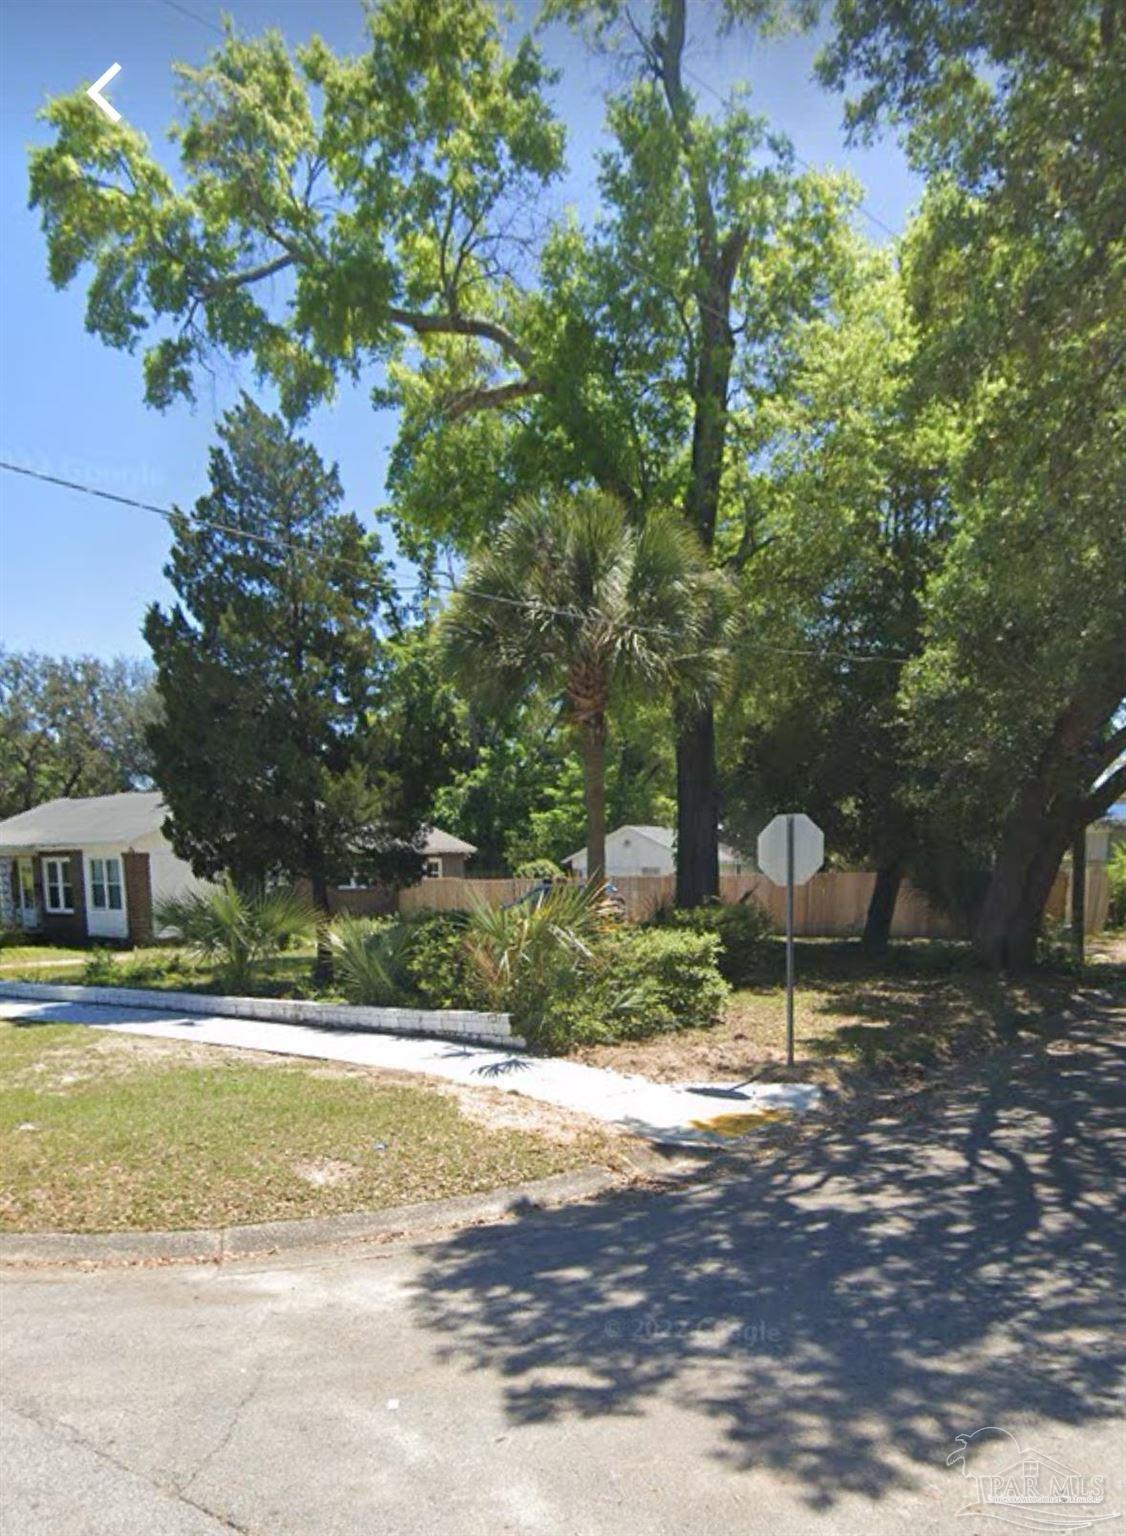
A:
[445,1023]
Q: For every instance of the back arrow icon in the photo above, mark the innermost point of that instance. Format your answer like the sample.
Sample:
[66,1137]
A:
[95,93]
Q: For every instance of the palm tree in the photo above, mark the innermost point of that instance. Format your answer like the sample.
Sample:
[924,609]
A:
[572,596]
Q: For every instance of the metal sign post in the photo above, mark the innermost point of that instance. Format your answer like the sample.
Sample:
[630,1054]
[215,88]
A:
[791,849]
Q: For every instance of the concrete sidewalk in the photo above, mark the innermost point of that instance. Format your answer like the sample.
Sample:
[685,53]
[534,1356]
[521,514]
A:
[702,1114]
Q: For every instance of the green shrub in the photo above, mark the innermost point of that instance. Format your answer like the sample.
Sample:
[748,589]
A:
[657,979]
[539,869]
[744,931]
[433,960]
[100,969]
[370,960]
[238,930]
[1116,880]
[534,959]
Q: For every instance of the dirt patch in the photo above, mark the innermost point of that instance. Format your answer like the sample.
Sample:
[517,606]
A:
[493,1108]
[327,1172]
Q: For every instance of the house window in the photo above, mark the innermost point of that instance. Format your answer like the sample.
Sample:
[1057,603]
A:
[57,891]
[105,884]
[432,869]
[355,882]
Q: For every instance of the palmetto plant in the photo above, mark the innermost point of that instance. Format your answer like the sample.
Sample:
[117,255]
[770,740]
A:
[520,954]
[574,597]
[238,930]
[369,960]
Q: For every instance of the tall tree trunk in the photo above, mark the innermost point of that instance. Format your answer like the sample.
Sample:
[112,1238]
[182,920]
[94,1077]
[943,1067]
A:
[1053,801]
[697,811]
[881,908]
[1079,893]
[718,253]
[593,746]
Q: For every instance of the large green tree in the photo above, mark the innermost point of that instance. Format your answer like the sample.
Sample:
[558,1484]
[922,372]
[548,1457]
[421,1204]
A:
[71,726]
[334,213]
[518,796]
[851,468]
[573,598]
[1017,280]
[296,740]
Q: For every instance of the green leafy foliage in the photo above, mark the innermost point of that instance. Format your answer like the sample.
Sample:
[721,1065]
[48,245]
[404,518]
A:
[238,930]
[744,932]
[658,979]
[100,969]
[573,597]
[532,958]
[369,955]
[1116,882]
[72,726]
[434,958]
[294,741]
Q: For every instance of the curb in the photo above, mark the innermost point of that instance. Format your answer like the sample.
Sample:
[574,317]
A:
[221,1245]
[465,1026]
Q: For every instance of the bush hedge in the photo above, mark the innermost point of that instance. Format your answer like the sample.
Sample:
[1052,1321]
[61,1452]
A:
[744,932]
[563,976]
[660,979]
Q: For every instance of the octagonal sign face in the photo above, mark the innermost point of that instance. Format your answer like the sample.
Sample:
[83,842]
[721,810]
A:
[809,848]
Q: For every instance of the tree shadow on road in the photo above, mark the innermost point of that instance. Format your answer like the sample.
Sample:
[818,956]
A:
[840,1312]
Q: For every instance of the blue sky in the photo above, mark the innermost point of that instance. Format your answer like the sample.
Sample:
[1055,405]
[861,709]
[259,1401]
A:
[75,574]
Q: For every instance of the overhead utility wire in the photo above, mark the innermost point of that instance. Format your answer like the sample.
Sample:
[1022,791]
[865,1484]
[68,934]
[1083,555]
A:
[170,516]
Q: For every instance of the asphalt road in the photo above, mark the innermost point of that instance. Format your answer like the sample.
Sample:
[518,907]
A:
[793,1348]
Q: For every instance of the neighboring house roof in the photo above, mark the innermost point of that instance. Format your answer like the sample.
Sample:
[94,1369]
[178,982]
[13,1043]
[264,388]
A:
[124,818]
[665,837]
[438,842]
[75,823]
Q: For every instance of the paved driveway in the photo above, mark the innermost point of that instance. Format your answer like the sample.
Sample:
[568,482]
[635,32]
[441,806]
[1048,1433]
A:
[791,1349]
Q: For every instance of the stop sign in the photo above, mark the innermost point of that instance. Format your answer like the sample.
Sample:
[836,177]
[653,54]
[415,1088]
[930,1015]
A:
[809,848]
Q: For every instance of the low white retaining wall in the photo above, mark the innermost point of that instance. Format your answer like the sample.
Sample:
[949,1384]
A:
[446,1023]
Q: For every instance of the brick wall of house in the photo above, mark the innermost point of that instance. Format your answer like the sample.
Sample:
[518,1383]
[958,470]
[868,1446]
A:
[67,926]
[138,896]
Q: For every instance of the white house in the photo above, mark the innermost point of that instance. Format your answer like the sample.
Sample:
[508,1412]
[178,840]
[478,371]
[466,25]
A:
[95,868]
[89,869]
[638,850]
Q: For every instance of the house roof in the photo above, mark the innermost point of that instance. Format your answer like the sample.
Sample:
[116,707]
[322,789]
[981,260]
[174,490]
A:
[125,817]
[95,819]
[665,837]
[438,842]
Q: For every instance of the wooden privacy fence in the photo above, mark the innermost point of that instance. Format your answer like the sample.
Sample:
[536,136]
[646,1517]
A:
[833,903]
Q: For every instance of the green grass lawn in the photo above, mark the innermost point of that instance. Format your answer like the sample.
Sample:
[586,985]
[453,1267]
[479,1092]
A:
[161,966]
[102,1132]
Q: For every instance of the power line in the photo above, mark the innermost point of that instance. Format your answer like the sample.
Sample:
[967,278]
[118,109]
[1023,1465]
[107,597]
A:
[173,5]
[170,516]
[805,164]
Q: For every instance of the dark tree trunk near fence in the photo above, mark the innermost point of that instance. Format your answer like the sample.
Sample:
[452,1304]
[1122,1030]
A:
[1053,804]
[697,812]
[1079,893]
[881,908]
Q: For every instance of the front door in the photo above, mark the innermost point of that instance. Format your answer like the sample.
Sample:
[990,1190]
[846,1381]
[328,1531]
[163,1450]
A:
[25,894]
[105,899]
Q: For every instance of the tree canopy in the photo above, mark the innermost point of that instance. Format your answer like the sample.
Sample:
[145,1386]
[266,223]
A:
[72,726]
[301,736]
